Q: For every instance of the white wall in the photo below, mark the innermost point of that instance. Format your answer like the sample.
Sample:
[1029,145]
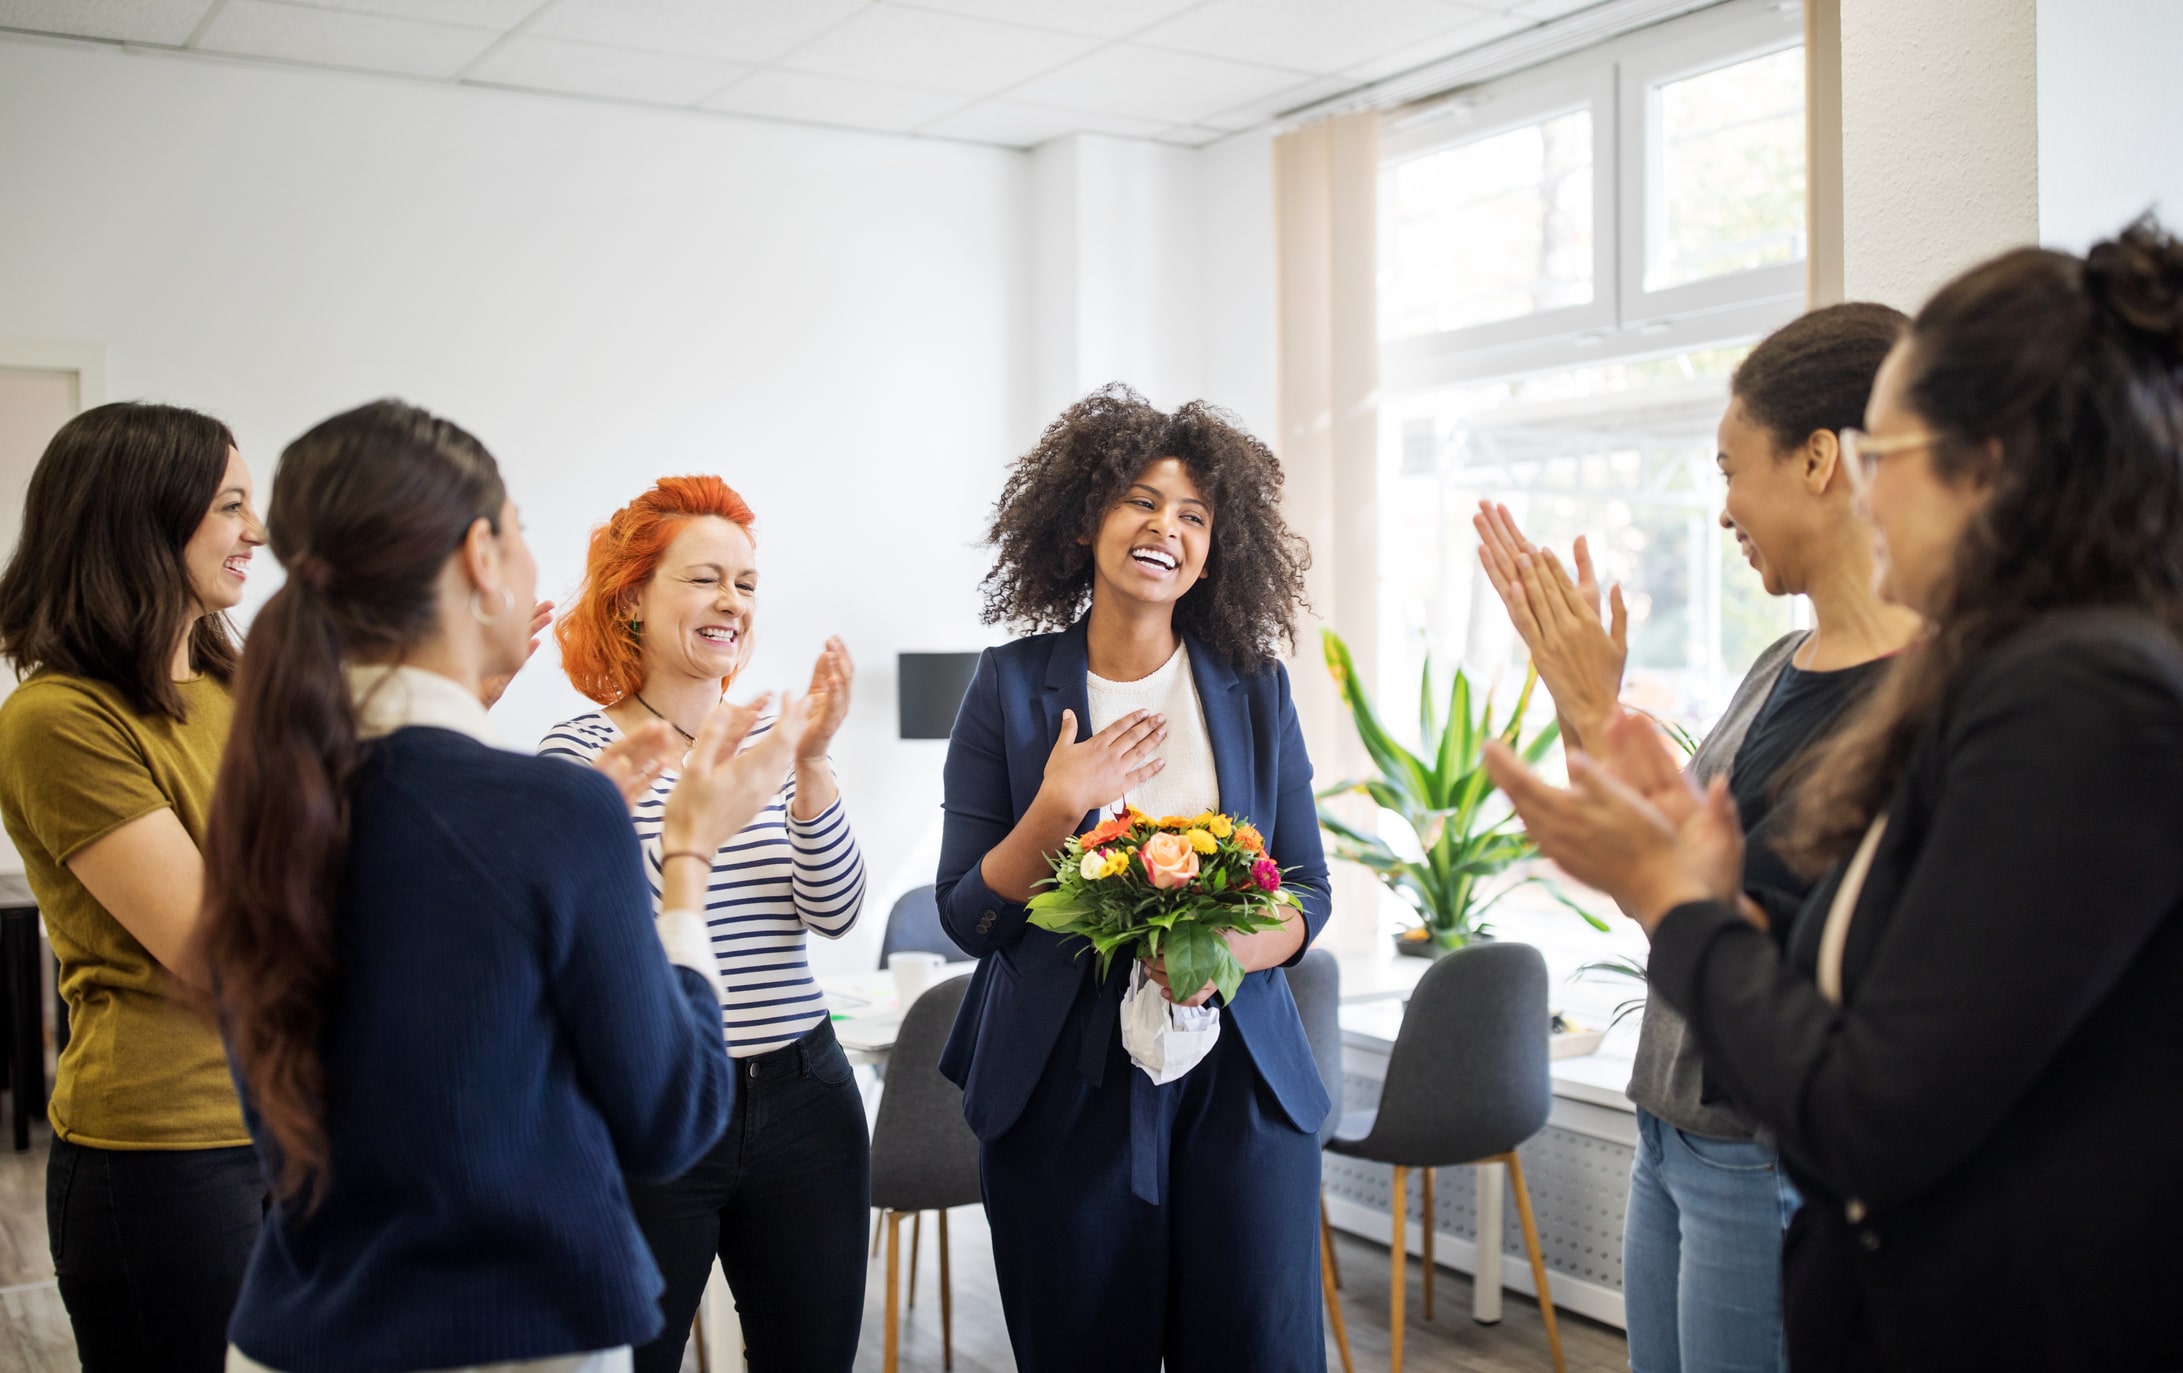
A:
[1940,160]
[837,323]
[1154,265]
[2108,117]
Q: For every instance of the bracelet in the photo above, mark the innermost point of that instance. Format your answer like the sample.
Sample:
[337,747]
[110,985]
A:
[666,858]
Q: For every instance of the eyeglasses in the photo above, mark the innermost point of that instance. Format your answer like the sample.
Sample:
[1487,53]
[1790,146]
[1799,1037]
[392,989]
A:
[1861,452]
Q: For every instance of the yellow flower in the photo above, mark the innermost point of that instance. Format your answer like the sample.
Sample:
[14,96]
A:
[1200,840]
[1117,863]
[1220,825]
[1174,822]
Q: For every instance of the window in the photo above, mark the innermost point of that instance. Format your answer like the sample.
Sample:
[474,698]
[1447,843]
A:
[1573,261]
[1520,200]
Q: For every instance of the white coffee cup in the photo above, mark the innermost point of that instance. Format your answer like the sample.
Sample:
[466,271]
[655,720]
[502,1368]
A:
[913,973]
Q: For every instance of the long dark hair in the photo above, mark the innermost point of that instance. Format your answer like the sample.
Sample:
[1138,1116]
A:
[367,508]
[1246,605]
[2059,380]
[98,586]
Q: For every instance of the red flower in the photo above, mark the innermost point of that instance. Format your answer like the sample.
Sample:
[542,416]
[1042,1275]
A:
[1267,874]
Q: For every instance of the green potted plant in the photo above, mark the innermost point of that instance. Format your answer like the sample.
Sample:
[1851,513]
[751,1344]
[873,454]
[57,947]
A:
[1464,845]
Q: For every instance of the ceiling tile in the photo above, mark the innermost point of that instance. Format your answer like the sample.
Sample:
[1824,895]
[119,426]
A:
[547,64]
[943,51]
[737,30]
[1015,124]
[1476,33]
[1550,9]
[1106,19]
[1252,113]
[134,21]
[333,38]
[833,100]
[1151,83]
[484,14]
[1305,35]
[1190,136]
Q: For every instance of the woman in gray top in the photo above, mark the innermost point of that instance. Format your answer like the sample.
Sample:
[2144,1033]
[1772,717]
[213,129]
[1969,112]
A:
[1708,1203]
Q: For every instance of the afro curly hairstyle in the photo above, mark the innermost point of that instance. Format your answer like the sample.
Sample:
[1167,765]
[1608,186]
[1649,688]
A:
[1245,606]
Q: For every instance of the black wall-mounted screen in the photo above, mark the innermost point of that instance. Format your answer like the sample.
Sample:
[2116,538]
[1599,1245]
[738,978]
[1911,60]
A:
[929,689]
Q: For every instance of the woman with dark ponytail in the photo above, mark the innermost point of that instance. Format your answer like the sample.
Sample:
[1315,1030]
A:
[1969,1054]
[452,1014]
[137,536]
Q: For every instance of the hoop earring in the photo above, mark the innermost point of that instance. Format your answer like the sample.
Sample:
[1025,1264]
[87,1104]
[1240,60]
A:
[477,606]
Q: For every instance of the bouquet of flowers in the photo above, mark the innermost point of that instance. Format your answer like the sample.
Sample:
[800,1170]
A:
[1166,888]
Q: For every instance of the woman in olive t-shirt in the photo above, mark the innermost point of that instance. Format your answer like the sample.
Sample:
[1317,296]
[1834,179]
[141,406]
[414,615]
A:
[136,538]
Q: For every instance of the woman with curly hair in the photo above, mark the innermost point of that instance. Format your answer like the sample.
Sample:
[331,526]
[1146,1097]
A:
[1133,1221]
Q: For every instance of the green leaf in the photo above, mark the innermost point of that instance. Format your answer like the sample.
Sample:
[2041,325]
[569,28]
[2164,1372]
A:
[1456,744]
[1192,956]
[1401,769]
[1428,711]
[1537,748]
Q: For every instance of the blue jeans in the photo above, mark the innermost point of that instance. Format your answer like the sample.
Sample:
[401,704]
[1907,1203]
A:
[1701,1253]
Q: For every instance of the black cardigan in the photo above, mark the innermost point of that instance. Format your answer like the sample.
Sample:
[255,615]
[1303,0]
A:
[1989,1130]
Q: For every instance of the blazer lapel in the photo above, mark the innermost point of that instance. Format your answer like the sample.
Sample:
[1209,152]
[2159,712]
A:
[1227,727]
[1065,688]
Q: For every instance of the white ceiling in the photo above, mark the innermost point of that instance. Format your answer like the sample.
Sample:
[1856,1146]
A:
[1011,72]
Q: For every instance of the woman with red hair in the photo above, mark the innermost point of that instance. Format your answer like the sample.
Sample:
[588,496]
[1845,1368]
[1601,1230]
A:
[659,629]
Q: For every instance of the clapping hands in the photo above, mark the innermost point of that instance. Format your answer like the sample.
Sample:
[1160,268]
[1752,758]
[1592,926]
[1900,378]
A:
[1558,617]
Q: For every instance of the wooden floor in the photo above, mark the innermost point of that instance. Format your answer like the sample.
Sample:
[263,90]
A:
[34,1334]
[1451,1343]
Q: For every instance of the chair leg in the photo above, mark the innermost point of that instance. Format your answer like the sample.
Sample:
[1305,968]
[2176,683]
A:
[917,1235]
[1399,1281]
[1326,1239]
[879,1226]
[1428,1242]
[1329,1281]
[893,1348]
[1538,1260]
[947,1303]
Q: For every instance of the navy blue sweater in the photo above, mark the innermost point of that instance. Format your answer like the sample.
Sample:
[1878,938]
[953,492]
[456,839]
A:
[506,1039]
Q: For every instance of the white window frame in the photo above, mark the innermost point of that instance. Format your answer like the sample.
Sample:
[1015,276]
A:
[1513,104]
[1617,80]
[1730,39]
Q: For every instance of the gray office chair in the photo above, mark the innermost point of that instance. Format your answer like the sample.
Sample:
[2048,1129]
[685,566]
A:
[914,924]
[924,1157]
[1316,982]
[1466,1083]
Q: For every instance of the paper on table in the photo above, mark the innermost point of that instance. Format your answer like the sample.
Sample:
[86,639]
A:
[871,1033]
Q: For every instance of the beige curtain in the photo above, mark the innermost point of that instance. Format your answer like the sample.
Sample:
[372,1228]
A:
[1326,200]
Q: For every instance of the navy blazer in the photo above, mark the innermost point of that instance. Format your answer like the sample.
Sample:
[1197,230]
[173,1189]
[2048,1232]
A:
[1027,977]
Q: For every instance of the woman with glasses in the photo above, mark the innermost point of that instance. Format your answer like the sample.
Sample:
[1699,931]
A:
[1701,1249]
[1969,1054]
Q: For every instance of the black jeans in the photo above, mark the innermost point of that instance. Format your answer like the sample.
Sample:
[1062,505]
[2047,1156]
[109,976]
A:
[782,1199]
[150,1247]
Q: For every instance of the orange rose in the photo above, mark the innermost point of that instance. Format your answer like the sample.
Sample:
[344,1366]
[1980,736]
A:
[1250,839]
[1169,861]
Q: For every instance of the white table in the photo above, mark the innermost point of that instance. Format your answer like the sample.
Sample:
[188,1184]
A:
[867,1014]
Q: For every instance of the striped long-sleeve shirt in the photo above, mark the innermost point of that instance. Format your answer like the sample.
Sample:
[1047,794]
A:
[777,879]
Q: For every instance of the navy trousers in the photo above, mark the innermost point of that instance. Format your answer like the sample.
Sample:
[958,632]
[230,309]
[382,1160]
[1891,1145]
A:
[1223,1274]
